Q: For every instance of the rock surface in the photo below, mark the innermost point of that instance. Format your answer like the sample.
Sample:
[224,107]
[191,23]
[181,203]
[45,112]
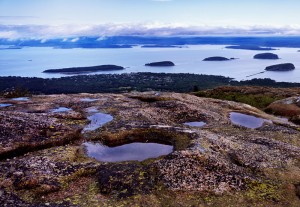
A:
[220,164]
[266,56]
[160,64]
[281,67]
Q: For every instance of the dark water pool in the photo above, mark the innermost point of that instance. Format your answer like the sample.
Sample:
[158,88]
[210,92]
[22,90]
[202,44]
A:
[89,99]
[20,99]
[195,124]
[60,110]
[5,105]
[127,152]
[245,120]
[97,120]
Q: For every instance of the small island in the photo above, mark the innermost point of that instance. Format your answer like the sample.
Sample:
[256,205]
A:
[159,64]
[249,47]
[266,56]
[11,48]
[281,67]
[85,69]
[217,58]
[160,46]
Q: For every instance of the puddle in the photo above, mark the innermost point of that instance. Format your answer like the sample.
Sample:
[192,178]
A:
[5,105]
[89,99]
[245,120]
[284,119]
[20,99]
[60,110]
[134,151]
[97,120]
[195,124]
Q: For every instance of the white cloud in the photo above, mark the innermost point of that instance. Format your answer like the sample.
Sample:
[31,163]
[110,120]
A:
[147,29]
[102,38]
[75,39]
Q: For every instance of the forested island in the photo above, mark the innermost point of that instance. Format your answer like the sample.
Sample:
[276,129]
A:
[160,64]
[281,67]
[217,58]
[85,69]
[266,56]
[118,83]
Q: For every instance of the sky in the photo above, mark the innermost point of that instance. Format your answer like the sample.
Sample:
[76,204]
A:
[63,18]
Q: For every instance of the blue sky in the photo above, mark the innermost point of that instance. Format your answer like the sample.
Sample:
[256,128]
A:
[45,18]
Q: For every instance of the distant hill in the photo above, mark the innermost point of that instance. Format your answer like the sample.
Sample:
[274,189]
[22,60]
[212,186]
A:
[129,41]
[249,47]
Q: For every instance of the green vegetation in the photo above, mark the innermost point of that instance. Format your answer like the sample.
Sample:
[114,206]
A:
[85,69]
[260,101]
[118,83]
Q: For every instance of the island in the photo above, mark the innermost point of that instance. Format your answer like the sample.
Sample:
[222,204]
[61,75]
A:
[159,64]
[249,47]
[161,46]
[266,56]
[281,67]
[217,58]
[90,69]
[11,48]
[91,46]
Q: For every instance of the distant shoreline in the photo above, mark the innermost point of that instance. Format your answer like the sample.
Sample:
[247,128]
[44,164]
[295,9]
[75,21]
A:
[158,42]
[120,83]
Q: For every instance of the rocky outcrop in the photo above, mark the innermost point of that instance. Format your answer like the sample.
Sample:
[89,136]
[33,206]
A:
[160,64]
[289,107]
[217,58]
[266,56]
[85,69]
[257,167]
[281,67]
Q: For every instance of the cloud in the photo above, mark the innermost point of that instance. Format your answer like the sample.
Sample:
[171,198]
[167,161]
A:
[75,39]
[145,29]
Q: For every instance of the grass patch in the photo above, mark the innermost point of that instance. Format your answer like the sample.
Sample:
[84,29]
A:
[260,101]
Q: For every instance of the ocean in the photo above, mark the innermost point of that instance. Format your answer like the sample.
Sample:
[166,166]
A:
[32,61]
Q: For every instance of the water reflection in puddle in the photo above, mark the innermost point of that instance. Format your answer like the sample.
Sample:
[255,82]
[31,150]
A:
[5,105]
[195,124]
[133,151]
[89,99]
[245,120]
[60,110]
[97,121]
[20,99]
